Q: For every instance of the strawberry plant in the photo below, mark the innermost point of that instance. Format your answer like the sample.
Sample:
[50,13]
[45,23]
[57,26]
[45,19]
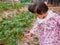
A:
[11,30]
[9,6]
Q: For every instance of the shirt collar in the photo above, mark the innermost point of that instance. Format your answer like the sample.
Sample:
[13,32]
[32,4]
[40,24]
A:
[49,15]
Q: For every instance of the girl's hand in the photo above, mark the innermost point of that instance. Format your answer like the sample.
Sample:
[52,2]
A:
[28,35]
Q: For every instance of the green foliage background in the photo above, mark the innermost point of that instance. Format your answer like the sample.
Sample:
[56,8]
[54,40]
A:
[9,6]
[11,30]
[25,1]
[15,28]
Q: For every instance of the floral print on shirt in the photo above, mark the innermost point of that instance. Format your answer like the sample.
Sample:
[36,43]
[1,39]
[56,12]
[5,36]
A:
[50,31]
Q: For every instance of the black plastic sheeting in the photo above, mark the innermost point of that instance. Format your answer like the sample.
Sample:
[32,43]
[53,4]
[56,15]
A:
[54,2]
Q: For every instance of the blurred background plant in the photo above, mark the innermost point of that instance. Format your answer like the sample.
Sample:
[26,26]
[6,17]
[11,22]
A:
[9,6]
[11,30]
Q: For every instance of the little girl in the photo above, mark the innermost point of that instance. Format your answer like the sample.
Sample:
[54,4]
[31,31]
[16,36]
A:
[48,22]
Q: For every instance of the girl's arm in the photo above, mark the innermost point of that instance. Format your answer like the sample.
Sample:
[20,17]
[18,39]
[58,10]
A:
[35,27]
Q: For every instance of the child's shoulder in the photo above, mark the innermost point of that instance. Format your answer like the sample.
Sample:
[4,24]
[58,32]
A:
[55,17]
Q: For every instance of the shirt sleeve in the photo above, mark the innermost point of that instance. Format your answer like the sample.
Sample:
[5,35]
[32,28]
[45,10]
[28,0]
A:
[35,27]
[59,21]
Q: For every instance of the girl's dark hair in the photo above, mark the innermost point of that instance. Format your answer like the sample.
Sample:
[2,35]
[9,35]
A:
[38,7]
[32,7]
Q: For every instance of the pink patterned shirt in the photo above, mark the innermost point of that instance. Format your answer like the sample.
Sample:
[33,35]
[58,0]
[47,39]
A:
[49,29]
